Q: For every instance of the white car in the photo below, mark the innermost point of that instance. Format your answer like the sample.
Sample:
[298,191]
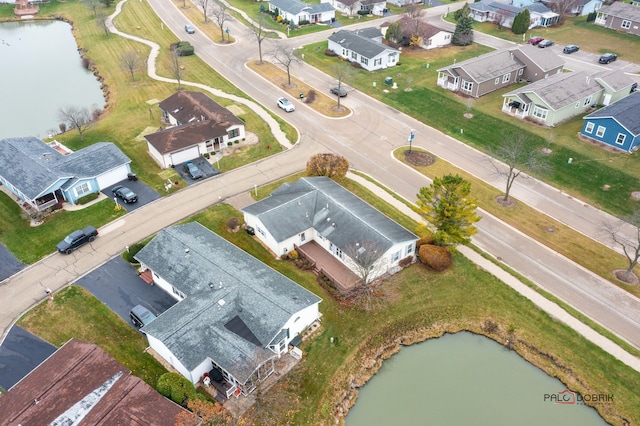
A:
[286,105]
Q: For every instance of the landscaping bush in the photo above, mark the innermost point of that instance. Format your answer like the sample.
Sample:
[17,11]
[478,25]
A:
[311,97]
[183,48]
[233,224]
[356,65]
[177,388]
[592,16]
[87,198]
[437,258]
[424,240]
[363,12]
[292,255]
[133,250]
[303,22]
[206,155]
[329,52]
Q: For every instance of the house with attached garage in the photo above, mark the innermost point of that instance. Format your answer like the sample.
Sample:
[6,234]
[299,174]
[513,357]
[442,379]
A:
[498,69]
[616,125]
[364,46]
[576,7]
[503,13]
[351,7]
[620,16]
[42,175]
[566,95]
[197,125]
[430,36]
[234,316]
[302,13]
[315,215]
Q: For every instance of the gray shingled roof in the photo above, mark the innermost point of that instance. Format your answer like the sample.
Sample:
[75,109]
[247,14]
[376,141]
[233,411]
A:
[560,90]
[331,210]
[296,7]
[487,66]
[624,111]
[622,10]
[363,46]
[225,288]
[614,79]
[545,59]
[33,167]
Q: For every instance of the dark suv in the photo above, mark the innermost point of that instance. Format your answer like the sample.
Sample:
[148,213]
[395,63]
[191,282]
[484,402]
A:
[77,239]
[607,58]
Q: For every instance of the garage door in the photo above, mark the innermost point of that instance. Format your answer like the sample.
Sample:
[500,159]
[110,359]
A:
[112,177]
[187,154]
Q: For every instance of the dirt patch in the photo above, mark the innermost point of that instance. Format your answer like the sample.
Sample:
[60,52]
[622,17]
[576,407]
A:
[627,278]
[419,158]
[501,201]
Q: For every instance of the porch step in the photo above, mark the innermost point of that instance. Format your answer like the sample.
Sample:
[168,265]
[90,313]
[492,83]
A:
[147,276]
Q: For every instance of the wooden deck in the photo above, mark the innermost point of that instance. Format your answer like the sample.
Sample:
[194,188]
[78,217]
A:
[325,262]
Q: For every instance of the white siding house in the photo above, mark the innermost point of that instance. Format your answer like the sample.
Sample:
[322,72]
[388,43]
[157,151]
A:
[365,47]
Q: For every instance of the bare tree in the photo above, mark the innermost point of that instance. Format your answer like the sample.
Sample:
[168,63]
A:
[286,57]
[564,8]
[518,153]
[259,32]
[365,260]
[205,5]
[130,61]
[175,67]
[414,10]
[220,15]
[101,22]
[80,118]
[343,72]
[630,244]
[92,5]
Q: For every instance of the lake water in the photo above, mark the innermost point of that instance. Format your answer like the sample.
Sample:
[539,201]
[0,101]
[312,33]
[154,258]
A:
[463,379]
[41,71]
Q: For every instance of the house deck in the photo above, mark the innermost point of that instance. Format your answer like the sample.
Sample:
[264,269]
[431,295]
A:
[325,262]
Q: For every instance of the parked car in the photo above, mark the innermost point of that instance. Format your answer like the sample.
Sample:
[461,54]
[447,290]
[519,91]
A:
[545,43]
[339,91]
[76,239]
[286,105]
[125,194]
[607,58]
[192,170]
[189,29]
[535,40]
[570,48]
[141,316]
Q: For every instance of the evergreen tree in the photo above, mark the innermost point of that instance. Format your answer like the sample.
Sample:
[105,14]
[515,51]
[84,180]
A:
[446,205]
[521,22]
[463,34]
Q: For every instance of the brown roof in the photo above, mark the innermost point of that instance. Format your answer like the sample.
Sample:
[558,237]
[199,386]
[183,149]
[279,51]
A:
[82,381]
[425,30]
[181,137]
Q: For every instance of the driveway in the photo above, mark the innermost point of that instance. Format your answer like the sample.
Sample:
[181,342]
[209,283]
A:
[205,167]
[20,353]
[9,265]
[145,193]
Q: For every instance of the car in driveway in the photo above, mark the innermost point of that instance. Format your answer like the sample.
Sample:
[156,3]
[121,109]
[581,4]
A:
[192,170]
[339,91]
[141,316]
[607,58]
[535,40]
[125,194]
[545,43]
[189,29]
[286,105]
[570,48]
[77,239]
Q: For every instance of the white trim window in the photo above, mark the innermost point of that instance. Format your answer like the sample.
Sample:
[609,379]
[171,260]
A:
[364,60]
[625,24]
[540,113]
[82,189]
[396,256]
[354,55]
[600,131]
[467,86]
[589,127]
[409,249]
[377,62]
[620,139]
[506,78]
[587,100]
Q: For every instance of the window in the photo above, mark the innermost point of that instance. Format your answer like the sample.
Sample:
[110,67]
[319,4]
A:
[377,61]
[626,24]
[497,80]
[587,101]
[620,139]
[540,113]
[589,127]
[506,78]
[409,249]
[447,36]
[467,86]
[600,131]
[354,55]
[364,60]
[234,133]
[83,189]
[344,52]
[395,256]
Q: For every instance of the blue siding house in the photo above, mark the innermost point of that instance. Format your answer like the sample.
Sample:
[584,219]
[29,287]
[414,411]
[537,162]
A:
[616,125]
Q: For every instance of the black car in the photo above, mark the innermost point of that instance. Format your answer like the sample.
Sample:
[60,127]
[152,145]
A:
[607,58]
[141,316]
[77,239]
[124,193]
[339,91]
[545,43]
[570,48]
[192,170]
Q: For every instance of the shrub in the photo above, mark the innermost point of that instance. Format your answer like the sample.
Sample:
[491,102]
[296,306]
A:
[329,52]
[176,388]
[363,12]
[229,143]
[437,258]
[303,22]
[233,224]
[327,164]
[293,255]
[405,262]
[133,250]
[356,65]
[424,240]
[183,48]
[87,198]
[206,155]
[311,97]
[592,16]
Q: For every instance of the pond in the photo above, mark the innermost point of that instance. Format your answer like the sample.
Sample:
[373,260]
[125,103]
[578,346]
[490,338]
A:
[465,379]
[41,72]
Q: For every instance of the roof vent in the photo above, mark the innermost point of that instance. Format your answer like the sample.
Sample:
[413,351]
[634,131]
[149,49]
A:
[221,302]
[186,250]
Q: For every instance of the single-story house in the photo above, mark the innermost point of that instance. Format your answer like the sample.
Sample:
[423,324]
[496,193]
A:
[317,210]
[351,7]
[198,125]
[620,16]
[296,11]
[234,314]
[365,47]
[576,7]
[486,73]
[81,384]
[503,14]
[431,37]
[616,125]
[42,174]
[565,95]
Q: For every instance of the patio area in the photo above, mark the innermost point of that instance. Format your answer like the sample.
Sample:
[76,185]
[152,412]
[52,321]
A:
[343,278]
